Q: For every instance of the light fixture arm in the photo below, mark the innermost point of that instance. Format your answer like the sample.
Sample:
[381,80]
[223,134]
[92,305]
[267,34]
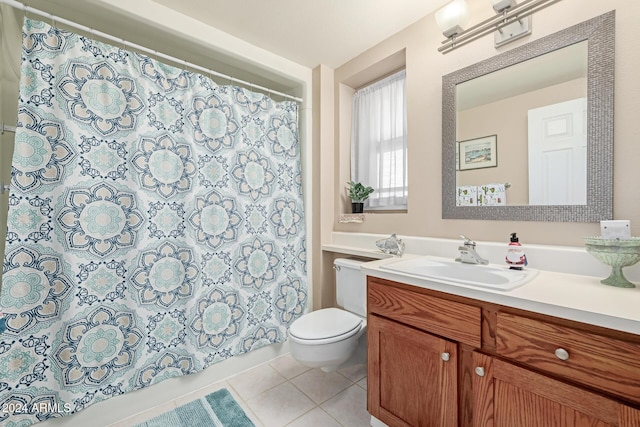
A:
[505,19]
[497,22]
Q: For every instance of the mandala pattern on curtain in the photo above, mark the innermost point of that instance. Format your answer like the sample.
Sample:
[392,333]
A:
[155,225]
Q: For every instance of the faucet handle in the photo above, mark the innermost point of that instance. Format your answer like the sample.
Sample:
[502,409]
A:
[467,241]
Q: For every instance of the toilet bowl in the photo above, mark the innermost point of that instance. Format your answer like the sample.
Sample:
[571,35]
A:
[333,338]
[328,339]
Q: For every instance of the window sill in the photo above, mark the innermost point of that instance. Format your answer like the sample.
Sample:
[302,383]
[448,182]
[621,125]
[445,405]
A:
[386,211]
[352,218]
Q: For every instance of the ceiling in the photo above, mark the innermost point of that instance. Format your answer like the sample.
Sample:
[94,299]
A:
[308,32]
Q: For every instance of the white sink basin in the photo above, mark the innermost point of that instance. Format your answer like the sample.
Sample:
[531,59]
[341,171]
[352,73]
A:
[485,276]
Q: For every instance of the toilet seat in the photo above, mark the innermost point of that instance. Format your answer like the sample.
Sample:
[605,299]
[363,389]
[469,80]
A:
[325,326]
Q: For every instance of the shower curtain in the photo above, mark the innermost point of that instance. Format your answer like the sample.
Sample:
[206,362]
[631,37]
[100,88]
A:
[155,227]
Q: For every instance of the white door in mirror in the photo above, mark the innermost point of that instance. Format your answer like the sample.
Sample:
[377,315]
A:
[558,154]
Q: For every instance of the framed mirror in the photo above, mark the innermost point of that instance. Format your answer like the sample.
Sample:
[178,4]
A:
[488,143]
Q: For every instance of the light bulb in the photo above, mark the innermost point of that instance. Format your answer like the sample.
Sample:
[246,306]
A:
[453,17]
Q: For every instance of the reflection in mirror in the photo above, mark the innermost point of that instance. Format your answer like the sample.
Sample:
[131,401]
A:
[538,118]
[536,110]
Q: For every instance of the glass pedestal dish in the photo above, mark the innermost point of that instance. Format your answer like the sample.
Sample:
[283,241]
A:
[617,254]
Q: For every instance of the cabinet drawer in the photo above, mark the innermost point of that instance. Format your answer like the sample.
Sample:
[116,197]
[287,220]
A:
[596,360]
[453,320]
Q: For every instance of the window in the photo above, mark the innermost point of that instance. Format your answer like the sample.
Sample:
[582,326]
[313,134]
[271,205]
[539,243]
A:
[379,142]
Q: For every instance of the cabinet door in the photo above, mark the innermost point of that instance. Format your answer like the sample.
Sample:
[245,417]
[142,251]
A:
[412,376]
[506,395]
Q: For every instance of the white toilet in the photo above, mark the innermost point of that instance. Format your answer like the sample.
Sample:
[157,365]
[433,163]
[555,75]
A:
[333,338]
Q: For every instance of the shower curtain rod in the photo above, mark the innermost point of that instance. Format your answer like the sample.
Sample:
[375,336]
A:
[26,8]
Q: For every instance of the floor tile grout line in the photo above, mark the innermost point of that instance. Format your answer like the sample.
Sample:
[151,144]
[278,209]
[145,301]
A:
[356,381]
[317,405]
[269,389]
[311,410]
[330,416]
[245,405]
[332,396]
[264,391]
[327,399]
[244,402]
[295,376]
[306,395]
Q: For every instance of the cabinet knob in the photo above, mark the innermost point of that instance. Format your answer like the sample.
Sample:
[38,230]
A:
[445,356]
[562,354]
[479,371]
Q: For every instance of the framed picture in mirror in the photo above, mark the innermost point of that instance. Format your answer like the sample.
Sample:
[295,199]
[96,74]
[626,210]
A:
[478,153]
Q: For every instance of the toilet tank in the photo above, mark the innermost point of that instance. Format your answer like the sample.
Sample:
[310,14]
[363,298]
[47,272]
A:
[351,286]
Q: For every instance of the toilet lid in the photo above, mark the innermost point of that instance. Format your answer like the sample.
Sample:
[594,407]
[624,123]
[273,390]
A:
[325,323]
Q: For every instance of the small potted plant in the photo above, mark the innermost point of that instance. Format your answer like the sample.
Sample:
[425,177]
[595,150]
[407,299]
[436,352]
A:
[358,194]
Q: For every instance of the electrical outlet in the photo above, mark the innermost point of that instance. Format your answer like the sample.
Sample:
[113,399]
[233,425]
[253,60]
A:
[616,229]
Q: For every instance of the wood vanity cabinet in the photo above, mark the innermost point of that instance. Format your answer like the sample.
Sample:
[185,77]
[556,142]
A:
[506,394]
[413,359]
[436,359]
[409,363]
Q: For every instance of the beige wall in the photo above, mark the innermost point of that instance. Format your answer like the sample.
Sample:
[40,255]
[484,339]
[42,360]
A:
[9,77]
[425,68]
[321,188]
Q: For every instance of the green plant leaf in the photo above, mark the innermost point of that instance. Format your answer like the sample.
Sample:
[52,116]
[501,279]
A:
[358,192]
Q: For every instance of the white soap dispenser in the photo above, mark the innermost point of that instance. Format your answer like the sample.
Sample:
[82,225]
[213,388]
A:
[516,259]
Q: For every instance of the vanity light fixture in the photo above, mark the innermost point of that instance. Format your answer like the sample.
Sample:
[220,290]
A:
[452,18]
[511,22]
[512,31]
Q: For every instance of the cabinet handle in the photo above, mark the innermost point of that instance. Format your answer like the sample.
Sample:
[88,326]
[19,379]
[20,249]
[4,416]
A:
[562,354]
[445,356]
[479,371]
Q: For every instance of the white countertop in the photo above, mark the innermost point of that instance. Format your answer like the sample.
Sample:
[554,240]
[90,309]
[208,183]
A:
[569,296]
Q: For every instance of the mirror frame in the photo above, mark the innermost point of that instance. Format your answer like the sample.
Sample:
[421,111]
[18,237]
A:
[600,34]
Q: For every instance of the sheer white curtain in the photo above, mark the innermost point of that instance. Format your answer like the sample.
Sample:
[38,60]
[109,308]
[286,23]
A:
[379,141]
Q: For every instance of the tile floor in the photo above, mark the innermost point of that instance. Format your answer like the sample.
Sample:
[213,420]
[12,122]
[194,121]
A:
[283,392]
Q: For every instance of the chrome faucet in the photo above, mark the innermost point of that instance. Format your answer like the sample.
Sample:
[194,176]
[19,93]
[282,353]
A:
[468,253]
[391,245]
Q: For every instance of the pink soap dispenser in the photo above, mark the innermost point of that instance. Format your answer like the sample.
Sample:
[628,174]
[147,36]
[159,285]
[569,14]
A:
[516,259]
